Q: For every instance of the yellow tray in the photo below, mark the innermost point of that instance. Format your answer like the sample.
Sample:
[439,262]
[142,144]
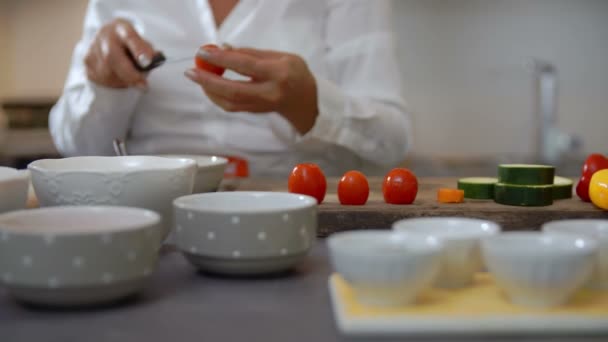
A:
[480,309]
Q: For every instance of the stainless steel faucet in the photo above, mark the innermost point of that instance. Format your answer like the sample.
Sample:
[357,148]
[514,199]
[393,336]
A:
[551,142]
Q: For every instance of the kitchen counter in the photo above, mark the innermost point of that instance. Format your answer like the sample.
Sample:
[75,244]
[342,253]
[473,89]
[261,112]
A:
[180,304]
[377,214]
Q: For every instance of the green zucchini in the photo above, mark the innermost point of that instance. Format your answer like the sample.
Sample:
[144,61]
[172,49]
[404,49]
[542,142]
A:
[562,188]
[477,187]
[526,174]
[523,195]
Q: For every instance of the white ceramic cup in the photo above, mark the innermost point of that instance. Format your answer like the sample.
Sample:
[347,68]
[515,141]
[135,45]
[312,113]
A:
[594,229]
[461,257]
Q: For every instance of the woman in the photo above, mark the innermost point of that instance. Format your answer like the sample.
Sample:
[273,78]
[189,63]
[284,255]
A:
[319,82]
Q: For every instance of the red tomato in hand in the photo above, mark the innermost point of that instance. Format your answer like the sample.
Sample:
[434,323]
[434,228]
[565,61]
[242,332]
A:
[400,186]
[308,179]
[353,188]
[204,65]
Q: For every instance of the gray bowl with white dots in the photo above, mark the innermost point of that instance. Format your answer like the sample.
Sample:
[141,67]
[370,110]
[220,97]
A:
[78,255]
[245,233]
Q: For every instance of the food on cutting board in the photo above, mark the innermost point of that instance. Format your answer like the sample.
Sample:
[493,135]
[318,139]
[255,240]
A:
[400,186]
[445,195]
[594,162]
[204,65]
[523,195]
[562,188]
[477,187]
[526,174]
[519,185]
[598,189]
[308,179]
[353,188]
[524,185]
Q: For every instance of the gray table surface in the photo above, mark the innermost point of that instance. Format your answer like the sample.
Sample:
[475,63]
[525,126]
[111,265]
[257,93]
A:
[181,304]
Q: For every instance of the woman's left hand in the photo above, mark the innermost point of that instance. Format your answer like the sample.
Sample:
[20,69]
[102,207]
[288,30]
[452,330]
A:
[280,82]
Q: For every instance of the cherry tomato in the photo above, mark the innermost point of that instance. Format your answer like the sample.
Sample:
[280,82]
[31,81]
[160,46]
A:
[204,65]
[593,163]
[237,167]
[308,179]
[353,188]
[400,186]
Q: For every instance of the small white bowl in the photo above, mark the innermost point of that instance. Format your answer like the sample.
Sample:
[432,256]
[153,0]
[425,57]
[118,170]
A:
[209,174]
[245,233]
[461,257]
[14,186]
[539,270]
[385,268]
[133,181]
[596,230]
[77,255]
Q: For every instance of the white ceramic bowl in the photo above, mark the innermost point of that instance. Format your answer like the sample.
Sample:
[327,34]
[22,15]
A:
[596,230]
[385,268]
[132,181]
[14,185]
[77,255]
[245,232]
[209,174]
[536,269]
[461,257]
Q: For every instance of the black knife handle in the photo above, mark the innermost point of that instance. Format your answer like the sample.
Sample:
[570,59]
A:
[158,60]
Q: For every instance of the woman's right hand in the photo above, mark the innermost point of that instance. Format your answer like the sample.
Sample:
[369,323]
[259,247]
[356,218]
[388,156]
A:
[108,62]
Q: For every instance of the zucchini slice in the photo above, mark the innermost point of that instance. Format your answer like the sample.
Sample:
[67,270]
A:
[526,174]
[477,187]
[523,195]
[562,188]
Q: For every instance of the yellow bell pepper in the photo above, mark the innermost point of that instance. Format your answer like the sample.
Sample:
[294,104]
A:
[598,189]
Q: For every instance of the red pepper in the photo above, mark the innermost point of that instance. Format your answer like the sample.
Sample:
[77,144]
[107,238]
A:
[594,162]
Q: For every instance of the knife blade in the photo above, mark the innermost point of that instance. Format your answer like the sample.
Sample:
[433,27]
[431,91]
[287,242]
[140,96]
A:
[158,60]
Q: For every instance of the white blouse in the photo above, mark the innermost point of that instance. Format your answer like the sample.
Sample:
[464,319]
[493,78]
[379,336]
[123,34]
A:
[348,45]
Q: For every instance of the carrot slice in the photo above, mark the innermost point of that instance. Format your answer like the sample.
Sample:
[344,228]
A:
[445,195]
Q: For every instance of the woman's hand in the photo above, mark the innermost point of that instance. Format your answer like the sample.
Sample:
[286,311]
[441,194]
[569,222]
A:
[280,82]
[108,62]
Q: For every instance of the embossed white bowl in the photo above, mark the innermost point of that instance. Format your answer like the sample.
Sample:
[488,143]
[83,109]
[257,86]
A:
[13,188]
[460,236]
[77,255]
[209,174]
[385,268]
[133,181]
[596,230]
[245,232]
[537,269]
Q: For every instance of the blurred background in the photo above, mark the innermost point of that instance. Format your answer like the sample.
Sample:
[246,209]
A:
[486,81]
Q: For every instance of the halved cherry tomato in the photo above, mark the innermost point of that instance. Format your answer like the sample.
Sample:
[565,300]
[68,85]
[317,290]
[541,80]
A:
[308,179]
[353,188]
[400,186]
[204,65]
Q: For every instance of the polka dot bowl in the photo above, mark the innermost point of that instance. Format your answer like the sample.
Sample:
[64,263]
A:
[13,189]
[133,181]
[70,256]
[245,233]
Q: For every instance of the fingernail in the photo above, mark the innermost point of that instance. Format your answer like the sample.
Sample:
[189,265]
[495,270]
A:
[191,74]
[227,46]
[143,60]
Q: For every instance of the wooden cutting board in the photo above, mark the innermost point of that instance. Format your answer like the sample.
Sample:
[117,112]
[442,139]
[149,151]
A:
[376,214]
